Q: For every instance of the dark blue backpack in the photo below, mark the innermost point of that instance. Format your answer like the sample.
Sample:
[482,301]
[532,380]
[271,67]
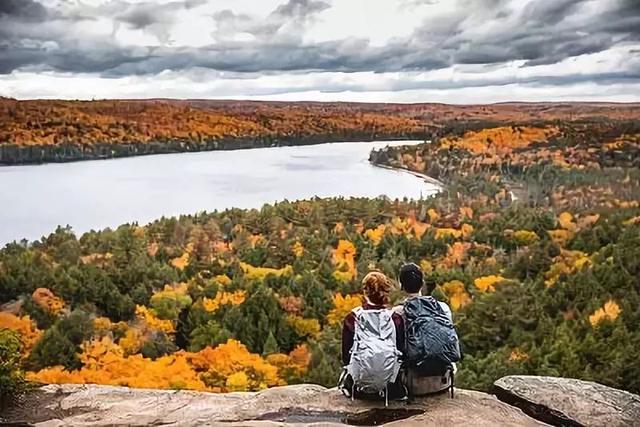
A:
[431,341]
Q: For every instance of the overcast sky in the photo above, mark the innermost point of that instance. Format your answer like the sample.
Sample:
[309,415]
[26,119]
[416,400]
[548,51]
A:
[457,51]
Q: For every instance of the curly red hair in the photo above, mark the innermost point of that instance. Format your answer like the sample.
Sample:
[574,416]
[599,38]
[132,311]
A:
[376,287]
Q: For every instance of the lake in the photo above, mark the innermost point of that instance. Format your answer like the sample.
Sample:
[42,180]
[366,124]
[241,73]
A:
[34,200]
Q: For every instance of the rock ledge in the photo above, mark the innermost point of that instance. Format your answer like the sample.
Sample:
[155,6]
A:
[569,402]
[93,405]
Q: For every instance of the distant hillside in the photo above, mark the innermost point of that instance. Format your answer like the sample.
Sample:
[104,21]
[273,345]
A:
[50,131]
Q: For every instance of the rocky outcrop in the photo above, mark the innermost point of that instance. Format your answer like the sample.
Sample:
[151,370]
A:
[522,401]
[92,405]
[569,402]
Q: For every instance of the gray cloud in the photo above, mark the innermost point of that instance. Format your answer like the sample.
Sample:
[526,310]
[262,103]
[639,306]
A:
[300,9]
[478,32]
[286,23]
[144,15]
[27,10]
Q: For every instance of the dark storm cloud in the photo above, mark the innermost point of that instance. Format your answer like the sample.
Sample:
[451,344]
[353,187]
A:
[476,32]
[301,8]
[546,32]
[550,13]
[142,15]
[27,10]
[287,21]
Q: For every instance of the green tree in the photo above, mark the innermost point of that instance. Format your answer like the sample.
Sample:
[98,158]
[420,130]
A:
[252,321]
[60,344]
[209,334]
[326,358]
[270,345]
[12,380]
[53,349]
[157,345]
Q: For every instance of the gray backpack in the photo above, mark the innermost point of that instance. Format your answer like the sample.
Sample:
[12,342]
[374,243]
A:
[375,359]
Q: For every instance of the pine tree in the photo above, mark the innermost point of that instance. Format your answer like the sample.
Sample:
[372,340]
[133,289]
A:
[270,345]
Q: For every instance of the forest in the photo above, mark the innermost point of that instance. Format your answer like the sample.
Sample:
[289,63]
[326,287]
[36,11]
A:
[534,242]
[40,131]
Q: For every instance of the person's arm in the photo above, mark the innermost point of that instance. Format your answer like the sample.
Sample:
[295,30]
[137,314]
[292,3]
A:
[449,314]
[398,321]
[348,330]
[447,310]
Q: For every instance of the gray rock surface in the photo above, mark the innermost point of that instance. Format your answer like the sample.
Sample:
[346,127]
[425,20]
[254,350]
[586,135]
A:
[570,402]
[93,405]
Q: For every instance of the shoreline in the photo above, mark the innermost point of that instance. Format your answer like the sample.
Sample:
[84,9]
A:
[426,178]
[13,155]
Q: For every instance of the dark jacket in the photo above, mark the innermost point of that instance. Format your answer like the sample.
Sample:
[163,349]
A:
[349,327]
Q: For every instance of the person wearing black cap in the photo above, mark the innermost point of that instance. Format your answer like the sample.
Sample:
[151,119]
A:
[412,283]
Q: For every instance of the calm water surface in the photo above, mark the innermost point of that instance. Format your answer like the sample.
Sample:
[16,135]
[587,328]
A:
[98,194]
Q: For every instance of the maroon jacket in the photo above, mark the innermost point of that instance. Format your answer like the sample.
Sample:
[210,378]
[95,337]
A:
[349,327]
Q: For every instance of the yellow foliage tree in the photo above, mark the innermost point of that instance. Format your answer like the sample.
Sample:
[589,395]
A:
[292,366]
[345,262]
[560,237]
[301,356]
[487,283]
[238,381]
[416,226]
[342,306]
[132,341]
[567,262]
[297,249]
[426,265]
[218,364]
[222,280]
[303,327]
[464,231]
[102,326]
[518,355]
[565,219]
[456,293]
[466,212]
[152,322]
[47,300]
[433,215]
[223,298]
[375,234]
[456,254]
[228,367]
[181,262]
[259,273]
[104,363]
[609,311]
[24,326]
[525,237]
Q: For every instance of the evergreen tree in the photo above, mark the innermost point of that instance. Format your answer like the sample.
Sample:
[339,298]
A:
[52,349]
[209,334]
[270,345]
